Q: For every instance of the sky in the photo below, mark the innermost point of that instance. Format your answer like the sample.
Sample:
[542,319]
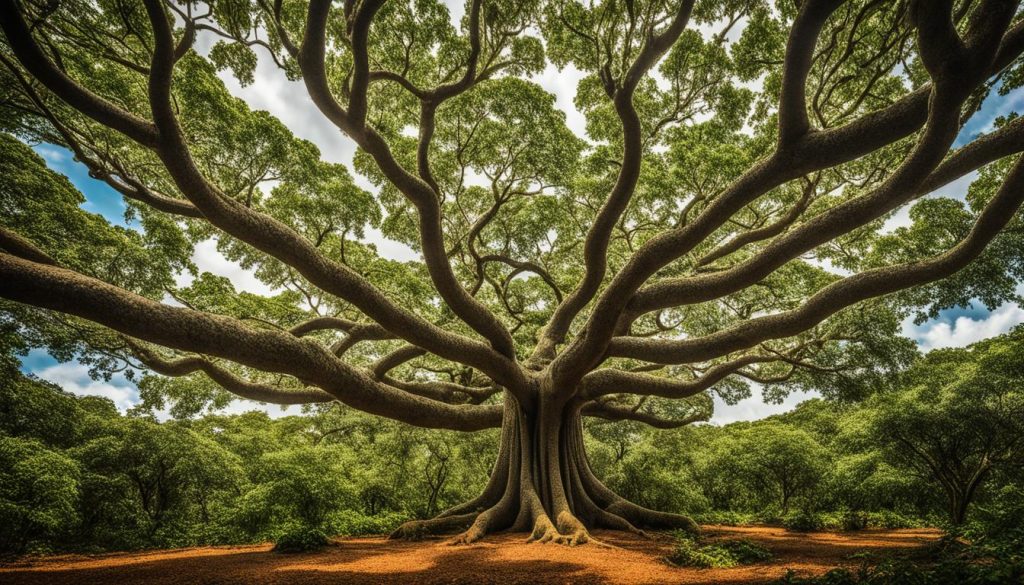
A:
[289,101]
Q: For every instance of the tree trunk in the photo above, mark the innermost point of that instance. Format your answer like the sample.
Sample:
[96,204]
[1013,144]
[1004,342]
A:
[958,510]
[542,483]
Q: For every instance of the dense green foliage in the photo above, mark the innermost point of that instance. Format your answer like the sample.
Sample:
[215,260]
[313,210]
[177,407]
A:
[79,475]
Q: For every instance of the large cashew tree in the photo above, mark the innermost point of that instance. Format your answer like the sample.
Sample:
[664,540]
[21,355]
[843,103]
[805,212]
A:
[736,211]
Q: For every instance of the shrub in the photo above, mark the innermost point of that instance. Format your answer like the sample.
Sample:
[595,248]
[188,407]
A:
[853,520]
[719,555]
[998,527]
[890,519]
[725,518]
[689,554]
[354,523]
[804,521]
[301,540]
[746,552]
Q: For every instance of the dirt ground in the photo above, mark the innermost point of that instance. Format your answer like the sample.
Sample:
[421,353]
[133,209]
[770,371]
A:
[499,560]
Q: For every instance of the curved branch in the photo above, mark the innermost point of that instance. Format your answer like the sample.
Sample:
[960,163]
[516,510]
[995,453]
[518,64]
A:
[761,234]
[525,266]
[39,65]
[595,247]
[609,381]
[615,413]
[833,298]
[803,37]
[227,380]
[1004,142]
[22,247]
[423,197]
[395,359]
[50,287]
[813,152]
[443,391]
[277,239]
[256,229]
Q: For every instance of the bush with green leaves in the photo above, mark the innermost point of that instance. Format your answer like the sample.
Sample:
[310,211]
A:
[726,518]
[804,521]
[720,554]
[745,551]
[998,526]
[891,519]
[355,523]
[300,540]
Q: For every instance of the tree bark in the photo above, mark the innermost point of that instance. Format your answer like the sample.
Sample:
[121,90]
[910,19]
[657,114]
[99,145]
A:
[542,484]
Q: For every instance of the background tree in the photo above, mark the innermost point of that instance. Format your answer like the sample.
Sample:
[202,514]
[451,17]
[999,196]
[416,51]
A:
[959,420]
[37,493]
[699,237]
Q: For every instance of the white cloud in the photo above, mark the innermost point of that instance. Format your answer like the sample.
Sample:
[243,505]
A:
[74,377]
[755,408]
[964,330]
[562,83]
[240,406]
[273,410]
[208,259]
[954,190]
[52,155]
[289,102]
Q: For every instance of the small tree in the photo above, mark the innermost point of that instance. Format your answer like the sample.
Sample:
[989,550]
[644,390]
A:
[785,461]
[766,461]
[958,416]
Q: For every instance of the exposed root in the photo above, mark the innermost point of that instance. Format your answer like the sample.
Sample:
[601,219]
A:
[419,529]
[569,532]
[478,530]
[616,522]
[543,483]
[470,536]
[494,518]
[544,531]
[640,516]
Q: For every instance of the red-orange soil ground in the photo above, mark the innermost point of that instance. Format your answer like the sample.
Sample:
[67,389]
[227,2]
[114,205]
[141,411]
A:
[500,560]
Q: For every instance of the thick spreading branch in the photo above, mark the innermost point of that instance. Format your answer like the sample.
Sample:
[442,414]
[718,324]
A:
[187,330]
[839,295]
[812,152]
[837,221]
[227,380]
[420,193]
[595,247]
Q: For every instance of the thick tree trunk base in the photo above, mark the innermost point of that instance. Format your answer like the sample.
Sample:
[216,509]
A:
[542,485]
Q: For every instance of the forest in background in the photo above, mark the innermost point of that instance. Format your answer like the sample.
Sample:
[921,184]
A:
[80,476]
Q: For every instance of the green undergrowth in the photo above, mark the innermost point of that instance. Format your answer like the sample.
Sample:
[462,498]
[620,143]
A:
[910,572]
[804,521]
[301,540]
[720,554]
